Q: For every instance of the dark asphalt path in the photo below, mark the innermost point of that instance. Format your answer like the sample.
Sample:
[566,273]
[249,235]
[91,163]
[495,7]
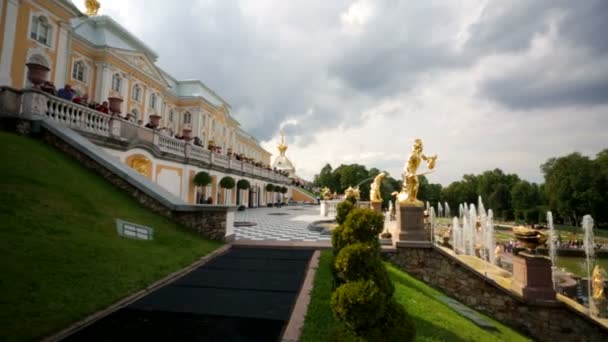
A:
[246,294]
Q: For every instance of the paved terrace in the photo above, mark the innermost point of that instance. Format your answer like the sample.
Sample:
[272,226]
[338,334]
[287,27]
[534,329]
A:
[288,223]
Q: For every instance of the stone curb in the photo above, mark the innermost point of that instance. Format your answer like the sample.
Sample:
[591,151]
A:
[296,321]
[132,298]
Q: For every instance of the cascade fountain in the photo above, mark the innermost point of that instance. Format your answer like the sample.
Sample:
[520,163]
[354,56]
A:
[552,247]
[465,237]
[456,232]
[439,209]
[446,208]
[489,238]
[589,254]
[427,205]
[481,234]
[460,210]
[472,234]
[432,224]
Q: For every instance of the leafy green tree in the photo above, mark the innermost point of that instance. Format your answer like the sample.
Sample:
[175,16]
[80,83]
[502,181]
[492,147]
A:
[202,179]
[326,178]
[429,192]
[350,175]
[227,182]
[525,195]
[572,185]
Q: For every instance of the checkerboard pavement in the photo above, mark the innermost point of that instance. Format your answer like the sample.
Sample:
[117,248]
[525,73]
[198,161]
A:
[290,227]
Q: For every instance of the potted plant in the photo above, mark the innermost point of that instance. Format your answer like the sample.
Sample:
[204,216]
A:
[202,179]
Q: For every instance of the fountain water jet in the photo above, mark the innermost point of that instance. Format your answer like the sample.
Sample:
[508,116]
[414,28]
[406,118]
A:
[432,224]
[439,209]
[589,254]
[456,232]
[446,208]
[489,237]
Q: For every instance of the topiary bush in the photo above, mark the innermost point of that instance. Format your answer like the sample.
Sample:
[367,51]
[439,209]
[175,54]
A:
[352,199]
[269,187]
[243,184]
[227,182]
[342,210]
[202,179]
[363,225]
[359,305]
[363,292]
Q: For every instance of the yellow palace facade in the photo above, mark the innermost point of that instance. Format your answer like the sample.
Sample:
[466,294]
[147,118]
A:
[98,57]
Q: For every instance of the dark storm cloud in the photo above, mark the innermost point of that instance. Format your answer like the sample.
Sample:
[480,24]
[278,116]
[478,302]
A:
[276,61]
[578,57]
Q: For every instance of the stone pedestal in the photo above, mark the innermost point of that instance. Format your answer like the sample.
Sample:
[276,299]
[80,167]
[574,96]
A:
[532,276]
[410,221]
[376,206]
[323,208]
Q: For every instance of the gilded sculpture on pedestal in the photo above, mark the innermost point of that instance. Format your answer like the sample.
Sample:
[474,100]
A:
[597,283]
[409,190]
[374,192]
[92,7]
[352,192]
[326,193]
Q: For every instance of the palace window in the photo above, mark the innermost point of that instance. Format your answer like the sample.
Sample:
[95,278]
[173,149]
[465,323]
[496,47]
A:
[116,82]
[171,115]
[41,30]
[136,93]
[152,100]
[187,117]
[79,71]
[135,113]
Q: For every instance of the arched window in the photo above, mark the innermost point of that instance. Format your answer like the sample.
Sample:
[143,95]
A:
[135,112]
[152,100]
[171,115]
[136,92]
[187,118]
[116,82]
[41,30]
[79,71]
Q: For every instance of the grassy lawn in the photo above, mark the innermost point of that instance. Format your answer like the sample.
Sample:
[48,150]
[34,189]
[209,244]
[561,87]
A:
[61,256]
[435,321]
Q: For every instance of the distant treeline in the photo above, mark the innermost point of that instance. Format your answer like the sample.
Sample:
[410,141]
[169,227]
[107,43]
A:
[574,185]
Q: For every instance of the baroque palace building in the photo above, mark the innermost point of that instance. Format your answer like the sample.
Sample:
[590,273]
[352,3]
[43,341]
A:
[96,56]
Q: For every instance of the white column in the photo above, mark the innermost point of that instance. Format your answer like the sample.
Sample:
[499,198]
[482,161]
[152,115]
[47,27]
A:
[198,123]
[146,95]
[124,93]
[8,45]
[61,66]
[104,80]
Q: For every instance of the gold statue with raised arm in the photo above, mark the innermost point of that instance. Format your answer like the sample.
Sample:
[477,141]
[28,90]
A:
[597,283]
[352,192]
[374,192]
[409,190]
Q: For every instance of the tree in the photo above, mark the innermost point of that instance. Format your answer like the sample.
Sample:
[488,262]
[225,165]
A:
[243,184]
[429,192]
[227,182]
[202,179]
[525,195]
[326,178]
[572,185]
[350,175]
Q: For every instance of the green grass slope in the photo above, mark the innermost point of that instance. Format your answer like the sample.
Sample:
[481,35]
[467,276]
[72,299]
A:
[61,258]
[435,321]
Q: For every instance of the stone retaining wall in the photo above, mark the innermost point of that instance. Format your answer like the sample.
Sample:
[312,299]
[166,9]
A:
[544,321]
[209,222]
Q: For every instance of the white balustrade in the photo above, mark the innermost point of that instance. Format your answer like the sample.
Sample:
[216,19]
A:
[171,145]
[77,116]
[220,160]
[200,153]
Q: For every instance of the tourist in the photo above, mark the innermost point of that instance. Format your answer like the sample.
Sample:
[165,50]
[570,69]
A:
[103,107]
[82,100]
[140,122]
[209,200]
[49,88]
[66,93]
[197,141]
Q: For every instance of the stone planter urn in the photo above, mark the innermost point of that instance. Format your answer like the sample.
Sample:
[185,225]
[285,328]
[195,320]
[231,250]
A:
[187,134]
[115,104]
[155,120]
[37,74]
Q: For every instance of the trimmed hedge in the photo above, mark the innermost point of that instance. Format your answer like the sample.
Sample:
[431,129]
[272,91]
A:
[269,187]
[202,179]
[342,210]
[242,184]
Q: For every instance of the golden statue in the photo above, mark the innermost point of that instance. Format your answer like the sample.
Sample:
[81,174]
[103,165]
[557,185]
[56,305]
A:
[374,192]
[141,165]
[352,192]
[409,190]
[326,193]
[597,283]
[92,7]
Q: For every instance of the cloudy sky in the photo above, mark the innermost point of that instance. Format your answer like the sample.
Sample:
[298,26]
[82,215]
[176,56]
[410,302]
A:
[484,84]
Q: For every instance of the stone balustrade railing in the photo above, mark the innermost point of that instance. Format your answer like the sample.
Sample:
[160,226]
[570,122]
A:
[95,123]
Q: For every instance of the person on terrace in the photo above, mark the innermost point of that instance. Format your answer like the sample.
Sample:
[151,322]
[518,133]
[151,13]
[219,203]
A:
[103,107]
[49,88]
[66,93]
[82,100]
